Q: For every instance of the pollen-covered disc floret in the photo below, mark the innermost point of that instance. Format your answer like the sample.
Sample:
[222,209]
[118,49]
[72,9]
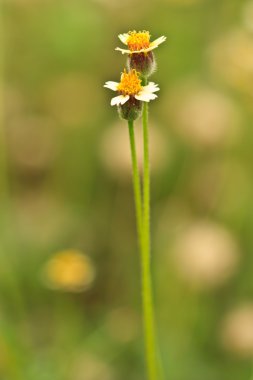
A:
[130,87]
[138,42]
[130,83]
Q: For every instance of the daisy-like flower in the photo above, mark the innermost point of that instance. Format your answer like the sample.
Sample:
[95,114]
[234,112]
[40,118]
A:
[130,86]
[138,42]
[131,94]
[140,55]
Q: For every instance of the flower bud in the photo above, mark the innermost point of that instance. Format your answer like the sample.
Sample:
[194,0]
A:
[144,63]
[131,110]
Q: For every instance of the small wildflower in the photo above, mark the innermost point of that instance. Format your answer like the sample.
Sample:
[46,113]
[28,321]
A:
[138,42]
[140,55]
[133,89]
[131,94]
[70,271]
[206,255]
[237,331]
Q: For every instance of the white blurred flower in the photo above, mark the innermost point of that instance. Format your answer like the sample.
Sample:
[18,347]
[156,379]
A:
[202,116]
[237,331]
[206,254]
[231,58]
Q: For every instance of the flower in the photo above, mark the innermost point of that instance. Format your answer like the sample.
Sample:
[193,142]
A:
[131,94]
[138,42]
[140,55]
[130,87]
[237,331]
[69,270]
[231,58]
[206,255]
[203,117]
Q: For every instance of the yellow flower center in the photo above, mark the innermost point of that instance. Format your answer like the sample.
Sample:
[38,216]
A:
[69,270]
[138,40]
[130,83]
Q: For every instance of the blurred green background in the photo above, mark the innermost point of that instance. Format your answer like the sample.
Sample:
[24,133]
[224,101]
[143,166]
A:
[69,264]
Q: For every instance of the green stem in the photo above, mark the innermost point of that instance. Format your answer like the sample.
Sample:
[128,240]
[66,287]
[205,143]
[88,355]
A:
[148,309]
[136,183]
[143,229]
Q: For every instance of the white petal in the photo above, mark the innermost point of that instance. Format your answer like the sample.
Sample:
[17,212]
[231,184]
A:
[121,99]
[151,87]
[158,41]
[123,38]
[124,98]
[123,51]
[145,96]
[111,85]
[144,50]
[155,44]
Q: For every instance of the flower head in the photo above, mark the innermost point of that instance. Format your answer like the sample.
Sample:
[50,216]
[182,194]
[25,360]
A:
[206,255]
[138,42]
[130,88]
[237,331]
[69,270]
[140,55]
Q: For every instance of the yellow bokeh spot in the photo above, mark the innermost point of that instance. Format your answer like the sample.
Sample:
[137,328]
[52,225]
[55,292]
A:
[130,83]
[138,40]
[69,270]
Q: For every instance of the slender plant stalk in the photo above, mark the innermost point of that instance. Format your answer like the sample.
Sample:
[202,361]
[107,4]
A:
[136,183]
[148,309]
[143,229]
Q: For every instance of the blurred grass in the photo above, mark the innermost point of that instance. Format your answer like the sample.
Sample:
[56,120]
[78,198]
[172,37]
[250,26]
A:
[65,164]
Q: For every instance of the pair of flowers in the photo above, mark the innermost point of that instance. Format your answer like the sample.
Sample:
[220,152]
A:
[133,88]
[134,93]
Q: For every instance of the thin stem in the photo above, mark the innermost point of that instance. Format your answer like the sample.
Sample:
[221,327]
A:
[143,229]
[148,309]
[136,183]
